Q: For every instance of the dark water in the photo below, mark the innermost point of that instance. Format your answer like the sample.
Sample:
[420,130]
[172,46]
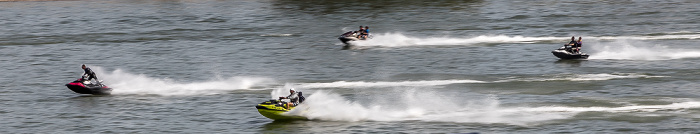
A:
[432,66]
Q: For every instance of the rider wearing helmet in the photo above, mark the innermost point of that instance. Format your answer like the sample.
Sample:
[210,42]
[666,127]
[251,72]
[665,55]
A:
[293,98]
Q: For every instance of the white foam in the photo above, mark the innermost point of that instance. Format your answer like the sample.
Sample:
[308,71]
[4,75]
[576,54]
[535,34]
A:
[332,107]
[276,35]
[582,77]
[364,84]
[634,50]
[689,36]
[400,40]
[624,109]
[126,83]
[346,84]
[323,105]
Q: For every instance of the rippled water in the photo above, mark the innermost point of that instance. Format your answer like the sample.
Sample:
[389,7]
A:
[432,66]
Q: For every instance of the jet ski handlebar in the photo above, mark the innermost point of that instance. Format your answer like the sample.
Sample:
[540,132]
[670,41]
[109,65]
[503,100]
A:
[281,98]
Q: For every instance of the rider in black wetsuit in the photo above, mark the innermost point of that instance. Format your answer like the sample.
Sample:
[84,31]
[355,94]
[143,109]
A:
[90,73]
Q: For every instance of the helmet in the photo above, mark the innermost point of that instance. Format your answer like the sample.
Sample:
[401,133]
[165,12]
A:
[292,89]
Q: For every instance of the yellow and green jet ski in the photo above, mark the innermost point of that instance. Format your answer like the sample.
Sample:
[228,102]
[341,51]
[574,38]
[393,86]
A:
[274,109]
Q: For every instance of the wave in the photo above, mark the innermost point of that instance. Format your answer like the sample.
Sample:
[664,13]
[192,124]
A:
[126,83]
[431,107]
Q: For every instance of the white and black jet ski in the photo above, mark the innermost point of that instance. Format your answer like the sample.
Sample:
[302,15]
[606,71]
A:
[567,52]
[352,36]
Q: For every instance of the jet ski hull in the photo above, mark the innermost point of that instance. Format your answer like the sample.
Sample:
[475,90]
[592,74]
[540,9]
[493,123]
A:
[275,110]
[567,55]
[94,89]
[351,36]
[347,40]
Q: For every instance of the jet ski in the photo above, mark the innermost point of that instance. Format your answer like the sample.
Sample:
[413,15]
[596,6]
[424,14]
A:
[566,52]
[275,109]
[352,36]
[84,86]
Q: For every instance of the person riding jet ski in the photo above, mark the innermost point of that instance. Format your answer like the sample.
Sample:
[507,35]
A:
[571,50]
[364,33]
[91,75]
[579,43]
[294,98]
[84,86]
[574,44]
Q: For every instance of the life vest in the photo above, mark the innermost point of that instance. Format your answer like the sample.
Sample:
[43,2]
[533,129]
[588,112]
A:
[301,98]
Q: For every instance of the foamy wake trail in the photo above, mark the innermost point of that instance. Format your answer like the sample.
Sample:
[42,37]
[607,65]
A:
[425,106]
[555,77]
[624,109]
[663,36]
[345,84]
[633,50]
[126,83]
[400,40]
[581,77]
[276,35]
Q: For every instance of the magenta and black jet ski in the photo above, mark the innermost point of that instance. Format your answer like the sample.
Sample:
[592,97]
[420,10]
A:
[83,86]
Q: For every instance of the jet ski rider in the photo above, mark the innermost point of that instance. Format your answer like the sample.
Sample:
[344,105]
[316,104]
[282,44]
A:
[359,32]
[365,32]
[573,44]
[293,98]
[90,73]
[579,43]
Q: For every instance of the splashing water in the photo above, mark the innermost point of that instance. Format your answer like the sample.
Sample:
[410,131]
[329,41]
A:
[400,40]
[427,106]
[624,49]
[582,77]
[282,92]
[555,77]
[126,83]
[383,83]
[421,106]
[663,36]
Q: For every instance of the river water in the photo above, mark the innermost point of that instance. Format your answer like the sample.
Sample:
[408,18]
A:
[475,66]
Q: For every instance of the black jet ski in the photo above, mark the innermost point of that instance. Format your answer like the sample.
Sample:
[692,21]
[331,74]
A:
[351,36]
[83,86]
[567,52]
